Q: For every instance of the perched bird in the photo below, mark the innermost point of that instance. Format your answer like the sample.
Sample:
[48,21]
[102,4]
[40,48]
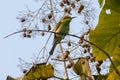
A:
[61,27]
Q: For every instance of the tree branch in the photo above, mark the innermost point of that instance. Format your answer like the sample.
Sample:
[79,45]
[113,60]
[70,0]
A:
[117,71]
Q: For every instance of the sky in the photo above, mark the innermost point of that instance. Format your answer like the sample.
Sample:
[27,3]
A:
[15,46]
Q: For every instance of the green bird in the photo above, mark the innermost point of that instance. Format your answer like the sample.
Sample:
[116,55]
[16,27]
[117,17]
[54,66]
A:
[62,27]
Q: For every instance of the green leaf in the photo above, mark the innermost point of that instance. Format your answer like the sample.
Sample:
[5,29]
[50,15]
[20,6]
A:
[78,68]
[114,5]
[82,68]
[39,71]
[116,58]
[116,61]
[107,33]
[113,75]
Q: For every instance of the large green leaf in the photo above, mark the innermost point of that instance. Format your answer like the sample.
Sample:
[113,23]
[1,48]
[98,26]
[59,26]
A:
[116,59]
[39,71]
[107,33]
[113,75]
[114,5]
[82,68]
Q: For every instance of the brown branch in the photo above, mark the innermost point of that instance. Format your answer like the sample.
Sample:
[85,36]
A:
[117,71]
[64,63]
[52,11]
[67,60]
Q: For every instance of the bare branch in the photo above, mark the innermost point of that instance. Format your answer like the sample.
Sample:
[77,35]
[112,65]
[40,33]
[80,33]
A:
[117,71]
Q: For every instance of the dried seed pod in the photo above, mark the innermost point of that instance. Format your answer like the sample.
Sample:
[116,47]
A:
[24,34]
[86,22]
[65,1]
[43,20]
[49,27]
[49,16]
[29,31]
[61,4]
[77,0]
[22,19]
[86,33]
[65,10]
[69,10]
[68,3]
[24,71]
[87,57]
[92,59]
[24,29]
[80,41]
[42,33]
[88,49]
[73,5]
[69,65]
[80,8]
[66,54]
[85,51]
[85,45]
[69,43]
[82,37]
[28,36]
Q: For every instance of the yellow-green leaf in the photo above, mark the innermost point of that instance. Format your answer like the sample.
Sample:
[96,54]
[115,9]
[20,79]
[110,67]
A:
[39,71]
[113,75]
[82,68]
[78,68]
[114,5]
[107,33]
[116,59]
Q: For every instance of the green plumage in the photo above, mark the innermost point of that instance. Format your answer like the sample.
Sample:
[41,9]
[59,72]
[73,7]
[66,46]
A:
[63,28]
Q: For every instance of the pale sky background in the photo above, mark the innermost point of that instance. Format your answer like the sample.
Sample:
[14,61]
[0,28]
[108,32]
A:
[15,47]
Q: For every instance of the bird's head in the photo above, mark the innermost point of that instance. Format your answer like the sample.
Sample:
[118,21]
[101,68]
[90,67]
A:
[67,19]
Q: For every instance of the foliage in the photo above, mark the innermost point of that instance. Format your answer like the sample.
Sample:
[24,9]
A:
[116,59]
[82,68]
[39,71]
[104,39]
[106,34]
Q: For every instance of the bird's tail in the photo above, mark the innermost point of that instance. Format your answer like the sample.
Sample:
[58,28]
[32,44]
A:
[51,51]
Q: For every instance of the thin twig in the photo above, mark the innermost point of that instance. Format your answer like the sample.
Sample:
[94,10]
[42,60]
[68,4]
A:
[39,9]
[52,11]
[64,63]
[67,60]
[117,71]
[12,34]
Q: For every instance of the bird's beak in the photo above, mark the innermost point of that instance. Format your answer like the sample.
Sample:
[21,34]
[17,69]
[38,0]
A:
[73,17]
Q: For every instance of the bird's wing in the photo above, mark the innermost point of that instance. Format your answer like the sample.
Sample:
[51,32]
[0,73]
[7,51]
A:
[57,26]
